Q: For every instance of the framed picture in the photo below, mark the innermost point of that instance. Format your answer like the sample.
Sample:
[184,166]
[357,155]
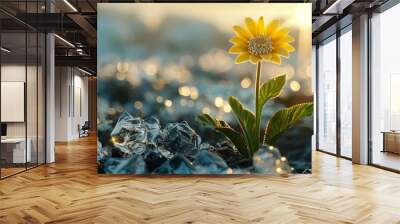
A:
[204,88]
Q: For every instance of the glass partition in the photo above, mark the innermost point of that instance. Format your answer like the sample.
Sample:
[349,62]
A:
[22,88]
[13,94]
[31,97]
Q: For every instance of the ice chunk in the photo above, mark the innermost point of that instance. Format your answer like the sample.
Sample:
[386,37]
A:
[177,165]
[268,160]
[152,126]
[131,165]
[133,134]
[181,138]
[206,162]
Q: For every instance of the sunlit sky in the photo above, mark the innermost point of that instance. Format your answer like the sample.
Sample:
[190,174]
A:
[226,15]
[223,15]
[296,16]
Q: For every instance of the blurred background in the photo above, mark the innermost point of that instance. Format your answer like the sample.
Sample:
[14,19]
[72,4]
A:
[171,61]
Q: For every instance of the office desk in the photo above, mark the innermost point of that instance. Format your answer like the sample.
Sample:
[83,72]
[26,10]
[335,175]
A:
[391,141]
[13,150]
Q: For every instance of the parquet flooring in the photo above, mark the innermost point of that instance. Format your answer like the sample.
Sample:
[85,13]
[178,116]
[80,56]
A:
[71,191]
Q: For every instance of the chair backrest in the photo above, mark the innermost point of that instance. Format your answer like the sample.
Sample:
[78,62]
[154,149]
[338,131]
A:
[86,125]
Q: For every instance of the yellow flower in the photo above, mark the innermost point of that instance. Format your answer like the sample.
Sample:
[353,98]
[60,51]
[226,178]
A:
[258,42]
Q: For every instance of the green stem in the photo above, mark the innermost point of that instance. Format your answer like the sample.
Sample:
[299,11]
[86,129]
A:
[258,109]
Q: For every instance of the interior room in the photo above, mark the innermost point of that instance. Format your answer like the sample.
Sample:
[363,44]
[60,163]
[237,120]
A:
[385,86]
[22,103]
[209,112]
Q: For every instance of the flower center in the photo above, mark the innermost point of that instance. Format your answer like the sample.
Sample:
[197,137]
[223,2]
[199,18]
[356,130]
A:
[260,45]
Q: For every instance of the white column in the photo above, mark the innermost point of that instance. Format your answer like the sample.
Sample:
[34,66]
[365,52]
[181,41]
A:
[50,100]
[360,90]
[50,92]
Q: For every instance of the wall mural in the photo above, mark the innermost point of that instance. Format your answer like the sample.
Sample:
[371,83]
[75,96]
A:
[204,88]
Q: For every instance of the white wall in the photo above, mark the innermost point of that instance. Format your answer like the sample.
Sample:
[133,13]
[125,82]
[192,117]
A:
[71,94]
[33,127]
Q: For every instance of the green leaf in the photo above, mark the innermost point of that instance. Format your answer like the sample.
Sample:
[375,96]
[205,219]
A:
[271,89]
[285,119]
[207,120]
[247,121]
[235,137]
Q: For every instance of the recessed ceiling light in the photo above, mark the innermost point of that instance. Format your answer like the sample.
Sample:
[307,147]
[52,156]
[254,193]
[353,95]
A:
[5,50]
[70,5]
[64,40]
[337,7]
[84,71]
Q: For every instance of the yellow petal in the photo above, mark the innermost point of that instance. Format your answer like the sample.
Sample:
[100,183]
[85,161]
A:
[238,41]
[254,59]
[251,26]
[240,32]
[288,47]
[267,57]
[280,33]
[284,52]
[237,49]
[272,26]
[261,25]
[242,58]
[288,39]
[276,59]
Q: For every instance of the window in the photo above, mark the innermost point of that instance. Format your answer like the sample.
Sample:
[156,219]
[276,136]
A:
[346,93]
[327,96]
[385,89]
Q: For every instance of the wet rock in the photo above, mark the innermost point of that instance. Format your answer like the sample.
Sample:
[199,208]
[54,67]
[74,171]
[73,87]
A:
[181,138]
[244,163]
[116,152]
[177,165]
[131,165]
[153,160]
[232,156]
[103,132]
[295,145]
[206,146]
[268,160]
[206,162]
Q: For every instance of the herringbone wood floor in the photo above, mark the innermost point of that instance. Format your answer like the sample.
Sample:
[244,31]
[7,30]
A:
[70,191]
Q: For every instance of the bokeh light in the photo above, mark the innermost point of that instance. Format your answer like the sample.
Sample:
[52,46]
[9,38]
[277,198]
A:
[295,86]
[168,103]
[245,83]
[218,101]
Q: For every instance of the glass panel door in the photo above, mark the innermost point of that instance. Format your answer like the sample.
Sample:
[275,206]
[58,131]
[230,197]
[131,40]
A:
[14,153]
